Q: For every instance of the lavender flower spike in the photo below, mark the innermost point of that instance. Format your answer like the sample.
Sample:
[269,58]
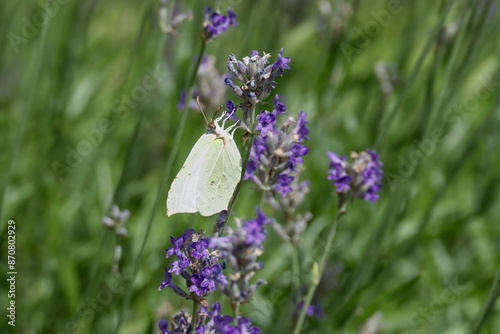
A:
[208,322]
[277,153]
[216,23]
[241,247]
[360,179]
[257,77]
[199,267]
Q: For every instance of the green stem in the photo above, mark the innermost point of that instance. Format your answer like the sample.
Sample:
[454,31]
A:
[236,310]
[490,303]
[193,318]
[295,270]
[163,185]
[324,257]
[230,208]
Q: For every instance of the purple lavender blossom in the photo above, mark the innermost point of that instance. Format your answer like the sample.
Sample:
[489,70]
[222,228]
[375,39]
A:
[216,23]
[281,62]
[276,152]
[257,77]
[284,184]
[222,325]
[241,247]
[362,178]
[208,322]
[199,267]
[163,325]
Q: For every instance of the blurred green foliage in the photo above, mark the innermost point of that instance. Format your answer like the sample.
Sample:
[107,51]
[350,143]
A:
[433,117]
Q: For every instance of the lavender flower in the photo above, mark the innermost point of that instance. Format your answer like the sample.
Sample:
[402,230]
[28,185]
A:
[222,325]
[196,265]
[277,153]
[208,322]
[215,23]
[362,179]
[116,220]
[257,76]
[241,247]
[163,325]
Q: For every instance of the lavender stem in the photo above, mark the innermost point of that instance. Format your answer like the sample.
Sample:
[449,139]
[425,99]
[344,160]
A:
[314,284]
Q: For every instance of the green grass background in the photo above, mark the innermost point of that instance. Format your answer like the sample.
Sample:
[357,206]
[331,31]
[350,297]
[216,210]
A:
[435,223]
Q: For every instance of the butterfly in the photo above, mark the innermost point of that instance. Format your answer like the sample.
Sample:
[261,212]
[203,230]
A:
[207,180]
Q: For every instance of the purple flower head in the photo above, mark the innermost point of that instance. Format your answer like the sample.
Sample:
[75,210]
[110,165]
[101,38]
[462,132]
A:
[241,247]
[223,325]
[362,178]
[199,267]
[208,322]
[257,79]
[216,23]
[277,153]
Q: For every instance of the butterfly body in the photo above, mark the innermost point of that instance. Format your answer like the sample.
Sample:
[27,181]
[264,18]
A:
[209,175]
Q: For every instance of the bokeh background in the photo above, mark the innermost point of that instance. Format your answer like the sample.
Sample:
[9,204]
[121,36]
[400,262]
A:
[416,80]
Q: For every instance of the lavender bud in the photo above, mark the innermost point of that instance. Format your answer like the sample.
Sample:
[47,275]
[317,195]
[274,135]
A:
[108,222]
[116,220]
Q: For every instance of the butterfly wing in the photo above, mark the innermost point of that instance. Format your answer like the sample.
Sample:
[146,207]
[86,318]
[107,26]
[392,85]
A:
[219,177]
[183,191]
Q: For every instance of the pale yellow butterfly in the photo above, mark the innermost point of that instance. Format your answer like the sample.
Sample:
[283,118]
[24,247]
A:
[207,180]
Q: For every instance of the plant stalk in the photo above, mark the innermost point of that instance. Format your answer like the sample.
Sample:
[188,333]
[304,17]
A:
[324,257]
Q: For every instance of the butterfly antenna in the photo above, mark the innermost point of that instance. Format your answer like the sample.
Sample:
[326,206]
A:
[199,105]
[215,115]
